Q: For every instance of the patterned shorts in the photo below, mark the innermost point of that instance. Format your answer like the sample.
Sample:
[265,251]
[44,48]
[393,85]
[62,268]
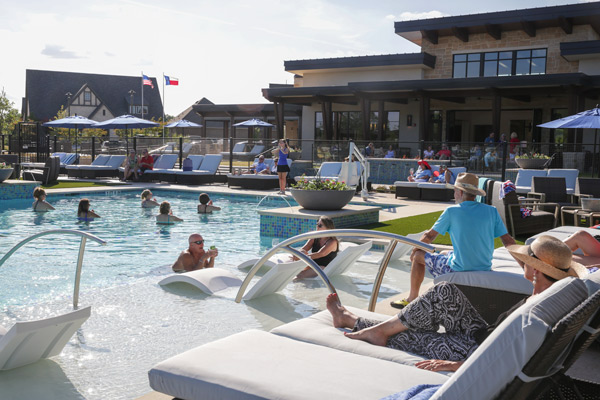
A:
[437,264]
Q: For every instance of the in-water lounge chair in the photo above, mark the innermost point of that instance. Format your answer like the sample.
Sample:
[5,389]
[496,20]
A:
[27,342]
[209,280]
[203,175]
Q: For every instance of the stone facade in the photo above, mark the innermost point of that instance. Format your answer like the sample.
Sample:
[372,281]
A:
[549,38]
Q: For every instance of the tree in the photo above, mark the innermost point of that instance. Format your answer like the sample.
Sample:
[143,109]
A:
[9,115]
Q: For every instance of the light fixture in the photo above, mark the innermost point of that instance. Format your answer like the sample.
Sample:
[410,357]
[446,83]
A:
[409,121]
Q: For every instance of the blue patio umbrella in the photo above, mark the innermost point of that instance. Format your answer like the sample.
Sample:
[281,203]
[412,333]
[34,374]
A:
[589,119]
[75,122]
[125,122]
[254,122]
[183,123]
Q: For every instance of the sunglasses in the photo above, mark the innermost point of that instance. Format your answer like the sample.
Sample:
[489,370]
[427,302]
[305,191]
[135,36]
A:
[198,242]
[319,225]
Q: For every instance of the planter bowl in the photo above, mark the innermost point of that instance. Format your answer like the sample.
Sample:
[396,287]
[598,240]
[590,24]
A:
[532,163]
[322,200]
[5,173]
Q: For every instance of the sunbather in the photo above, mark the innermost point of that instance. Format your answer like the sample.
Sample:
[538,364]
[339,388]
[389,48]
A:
[83,211]
[195,257]
[206,205]
[147,200]
[40,203]
[166,216]
[423,173]
[322,250]
[146,162]
[590,245]
[258,166]
[415,328]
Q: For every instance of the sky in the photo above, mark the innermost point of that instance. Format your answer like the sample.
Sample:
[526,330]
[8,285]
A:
[224,50]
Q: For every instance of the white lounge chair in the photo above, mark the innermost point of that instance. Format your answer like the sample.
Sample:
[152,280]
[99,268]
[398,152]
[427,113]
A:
[170,175]
[205,174]
[164,163]
[400,250]
[27,342]
[281,274]
[209,280]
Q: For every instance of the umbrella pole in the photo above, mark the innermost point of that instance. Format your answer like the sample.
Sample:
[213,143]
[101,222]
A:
[594,153]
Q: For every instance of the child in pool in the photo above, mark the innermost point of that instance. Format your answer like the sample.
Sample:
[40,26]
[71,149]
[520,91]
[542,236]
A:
[147,200]
[84,213]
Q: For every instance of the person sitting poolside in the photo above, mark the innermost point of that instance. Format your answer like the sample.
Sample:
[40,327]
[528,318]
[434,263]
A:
[131,166]
[423,173]
[444,153]
[390,153]
[322,250]
[147,200]
[490,158]
[146,162]
[83,211]
[444,175]
[429,153]
[195,257]
[258,166]
[415,328]
[206,205]
[166,216]
[40,203]
[589,245]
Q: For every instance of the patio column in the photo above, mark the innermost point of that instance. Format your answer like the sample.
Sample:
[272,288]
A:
[382,120]
[279,118]
[424,117]
[327,118]
[365,107]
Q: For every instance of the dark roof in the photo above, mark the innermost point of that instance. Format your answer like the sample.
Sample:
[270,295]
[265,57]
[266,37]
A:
[362,61]
[244,110]
[577,50]
[494,23]
[45,91]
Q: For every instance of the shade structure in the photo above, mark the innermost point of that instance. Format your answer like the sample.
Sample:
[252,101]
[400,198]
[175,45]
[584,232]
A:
[589,119]
[125,122]
[254,122]
[183,123]
[71,122]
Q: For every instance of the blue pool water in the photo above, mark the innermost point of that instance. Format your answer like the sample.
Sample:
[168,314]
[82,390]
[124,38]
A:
[137,246]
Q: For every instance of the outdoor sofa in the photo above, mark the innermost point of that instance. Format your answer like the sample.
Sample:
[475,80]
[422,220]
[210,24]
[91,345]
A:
[428,190]
[309,358]
[103,166]
[170,175]
[206,173]
[256,181]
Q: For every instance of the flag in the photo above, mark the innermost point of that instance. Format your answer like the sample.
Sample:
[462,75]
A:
[171,80]
[147,81]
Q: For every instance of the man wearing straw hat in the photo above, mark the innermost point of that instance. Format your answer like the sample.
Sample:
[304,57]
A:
[415,328]
[472,226]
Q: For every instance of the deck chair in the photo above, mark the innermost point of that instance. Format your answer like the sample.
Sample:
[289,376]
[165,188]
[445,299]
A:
[524,179]
[238,148]
[165,163]
[46,174]
[401,250]
[588,186]
[281,274]
[209,280]
[328,170]
[570,176]
[204,174]
[27,342]
[170,175]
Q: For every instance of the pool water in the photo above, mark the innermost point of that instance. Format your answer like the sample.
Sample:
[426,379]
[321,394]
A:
[135,322]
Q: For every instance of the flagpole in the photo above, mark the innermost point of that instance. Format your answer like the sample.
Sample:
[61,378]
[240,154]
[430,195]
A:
[164,99]
[142,94]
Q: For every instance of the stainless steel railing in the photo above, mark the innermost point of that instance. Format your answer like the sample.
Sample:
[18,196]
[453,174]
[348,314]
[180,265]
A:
[84,237]
[338,233]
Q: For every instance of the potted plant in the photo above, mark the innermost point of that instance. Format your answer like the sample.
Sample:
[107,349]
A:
[5,171]
[322,194]
[532,160]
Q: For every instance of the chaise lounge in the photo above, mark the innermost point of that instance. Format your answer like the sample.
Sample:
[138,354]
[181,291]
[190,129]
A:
[204,174]
[104,166]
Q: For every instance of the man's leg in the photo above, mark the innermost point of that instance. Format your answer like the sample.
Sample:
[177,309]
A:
[417,274]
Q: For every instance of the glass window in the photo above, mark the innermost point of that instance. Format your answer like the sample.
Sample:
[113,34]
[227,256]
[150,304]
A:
[392,128]
[319,129]
[538,53]
[523,66]
[523,53]
[538,66]
[503,63]
[87,96]
[491,56]
[474,57]
[505,68]
[490,68]
[504,55]
[473,69]
[460,70]
[460,57]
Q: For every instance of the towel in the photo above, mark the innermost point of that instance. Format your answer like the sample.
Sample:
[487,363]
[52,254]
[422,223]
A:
[419,392]
[508,187]
[482,185]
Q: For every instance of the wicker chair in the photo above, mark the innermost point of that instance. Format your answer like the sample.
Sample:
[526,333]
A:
[509,209]
[46,174]
[554,190]
[588,186]
[547,361]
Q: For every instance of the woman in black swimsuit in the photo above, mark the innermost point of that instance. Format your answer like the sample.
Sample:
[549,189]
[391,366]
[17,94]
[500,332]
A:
[322,250]
[40,203]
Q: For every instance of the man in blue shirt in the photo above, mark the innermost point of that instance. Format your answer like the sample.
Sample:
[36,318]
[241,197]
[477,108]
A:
[472,226]
[258,166]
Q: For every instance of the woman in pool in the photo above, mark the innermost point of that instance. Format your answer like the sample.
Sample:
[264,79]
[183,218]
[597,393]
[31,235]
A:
[206,205]
[322,250]
[147,200]
[40,203]
[166,216]
[84,212]
[282,164]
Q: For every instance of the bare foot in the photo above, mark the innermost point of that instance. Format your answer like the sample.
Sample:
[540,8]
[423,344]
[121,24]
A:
[371,335]
[342,318]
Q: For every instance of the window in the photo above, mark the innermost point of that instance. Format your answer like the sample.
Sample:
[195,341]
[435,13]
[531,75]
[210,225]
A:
[392,127]
[347,124]
[500,63]
[319,128]
[137,110]
[103,112]
[87,97]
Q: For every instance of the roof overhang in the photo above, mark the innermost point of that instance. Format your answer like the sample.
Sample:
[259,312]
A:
[573,51]
[494,23]
[243,110]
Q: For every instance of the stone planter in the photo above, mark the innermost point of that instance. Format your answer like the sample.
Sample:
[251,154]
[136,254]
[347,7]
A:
[5,173]
[322,200]
[532,163]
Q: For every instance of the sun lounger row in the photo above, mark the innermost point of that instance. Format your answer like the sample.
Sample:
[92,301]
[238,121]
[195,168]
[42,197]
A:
[239,153]
[337,171]
[103,166]
[204,169]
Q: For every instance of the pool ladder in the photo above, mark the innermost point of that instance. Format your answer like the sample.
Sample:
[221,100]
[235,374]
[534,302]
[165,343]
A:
[338,233]
[84,237]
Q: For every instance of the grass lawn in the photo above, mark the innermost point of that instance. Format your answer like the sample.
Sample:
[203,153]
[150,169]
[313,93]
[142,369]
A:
[68,185]
[420,223]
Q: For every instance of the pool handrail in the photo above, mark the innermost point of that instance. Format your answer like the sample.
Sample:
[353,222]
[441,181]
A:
[84,237]
[338,233]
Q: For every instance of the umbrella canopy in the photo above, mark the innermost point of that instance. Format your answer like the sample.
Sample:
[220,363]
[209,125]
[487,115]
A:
[584,119]
[254,122]
[125,122]
[76,122]
[183,123]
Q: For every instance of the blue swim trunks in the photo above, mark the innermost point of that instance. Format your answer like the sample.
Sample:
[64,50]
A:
[438,264]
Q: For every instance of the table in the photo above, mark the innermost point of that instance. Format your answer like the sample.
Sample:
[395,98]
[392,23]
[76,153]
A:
[581,217]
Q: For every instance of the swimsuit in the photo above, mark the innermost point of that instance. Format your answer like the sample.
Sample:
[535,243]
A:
[325,260]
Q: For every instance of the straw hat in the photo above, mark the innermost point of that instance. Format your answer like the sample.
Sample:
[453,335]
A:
[468,183]
[424,163]
[550,256]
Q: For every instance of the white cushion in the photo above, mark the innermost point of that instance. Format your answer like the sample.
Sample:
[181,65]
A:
[407,184]
[497,280]
[592,281]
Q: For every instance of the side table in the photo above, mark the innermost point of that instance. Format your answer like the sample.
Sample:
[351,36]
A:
[581,217]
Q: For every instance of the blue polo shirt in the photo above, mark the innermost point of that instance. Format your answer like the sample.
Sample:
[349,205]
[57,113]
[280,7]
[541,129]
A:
[472,227]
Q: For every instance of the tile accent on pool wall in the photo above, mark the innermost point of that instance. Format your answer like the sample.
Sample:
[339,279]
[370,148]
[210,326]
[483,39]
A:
[12,190]
[286,226]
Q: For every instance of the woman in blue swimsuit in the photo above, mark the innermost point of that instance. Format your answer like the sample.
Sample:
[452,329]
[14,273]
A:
[84,213]
[282,165]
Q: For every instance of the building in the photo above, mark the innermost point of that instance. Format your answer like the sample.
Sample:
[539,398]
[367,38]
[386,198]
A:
[94,96]
[498,72]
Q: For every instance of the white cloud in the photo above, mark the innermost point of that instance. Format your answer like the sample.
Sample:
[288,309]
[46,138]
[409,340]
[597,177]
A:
[56,51]
[409,16]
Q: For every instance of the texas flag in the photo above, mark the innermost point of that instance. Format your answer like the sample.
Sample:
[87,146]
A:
[147,81]
[171,80]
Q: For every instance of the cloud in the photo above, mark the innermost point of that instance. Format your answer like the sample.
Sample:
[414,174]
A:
[56,51]
[409,16]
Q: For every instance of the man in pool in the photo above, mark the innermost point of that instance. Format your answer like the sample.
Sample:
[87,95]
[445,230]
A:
[195,257]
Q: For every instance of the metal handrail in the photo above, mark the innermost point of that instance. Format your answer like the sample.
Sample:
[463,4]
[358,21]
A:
[285,246]
[84,237]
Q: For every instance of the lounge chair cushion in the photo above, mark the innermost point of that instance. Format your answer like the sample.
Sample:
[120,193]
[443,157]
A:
[593,282]
[495,280]
[570,176]
[257,365]
[496,361]
[166,161]
[525,178]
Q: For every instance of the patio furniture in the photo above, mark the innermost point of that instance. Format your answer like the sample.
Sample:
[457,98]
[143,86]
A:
[435,191]
[524,179]
[509,210]
[570,176]
[553,190]
[588,186]
[208,280]
[256,181]
[104,166]
[46,174]
[170,175]
[204,174]
[164,164]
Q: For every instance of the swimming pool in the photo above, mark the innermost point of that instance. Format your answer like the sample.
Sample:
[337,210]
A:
[135,322]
